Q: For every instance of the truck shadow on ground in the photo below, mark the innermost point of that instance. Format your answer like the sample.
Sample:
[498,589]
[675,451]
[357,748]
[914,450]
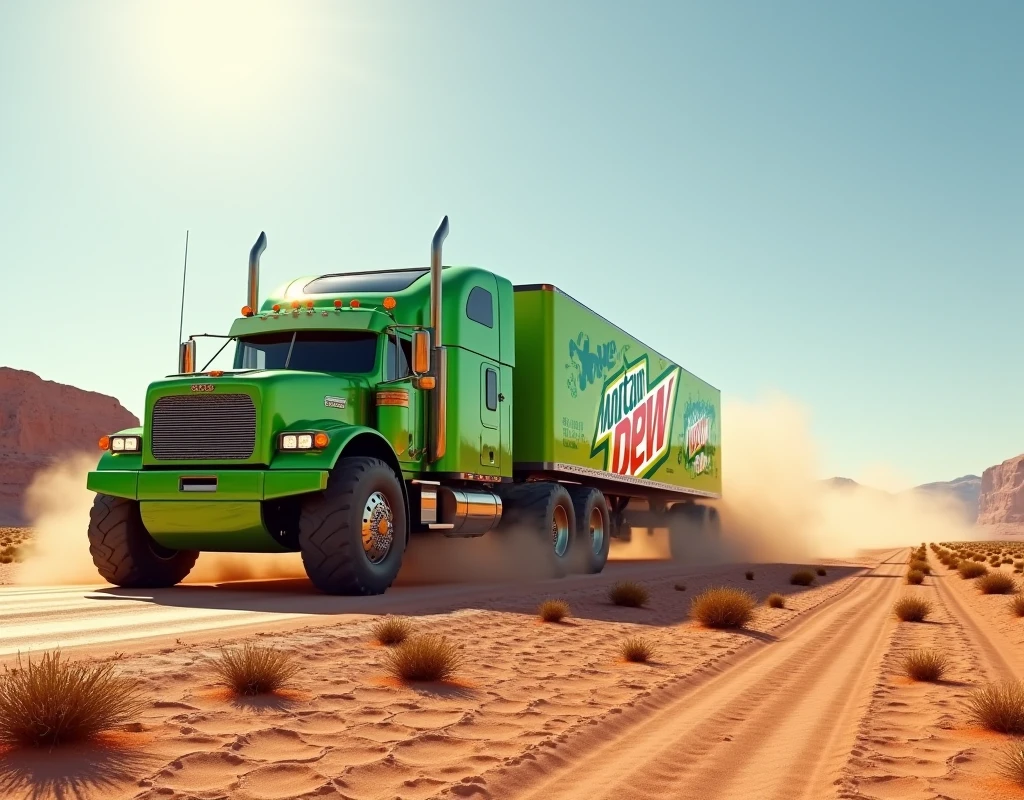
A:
[586,594]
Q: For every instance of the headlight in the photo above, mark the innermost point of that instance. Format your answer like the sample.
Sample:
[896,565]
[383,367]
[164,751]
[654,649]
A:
[304,440]
[124,444]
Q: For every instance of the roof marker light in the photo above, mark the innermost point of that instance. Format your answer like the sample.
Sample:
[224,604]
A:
[338,303]
[246,311]
[389,303]
[277,308]
[295,303]
[354,304]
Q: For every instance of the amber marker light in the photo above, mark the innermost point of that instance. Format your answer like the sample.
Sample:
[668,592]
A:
[338,303]
[104,443]
[309,304]
[354,304]
[215,373]
[389,303]
[277,308]
[246,311]
[295,303]
[321,440]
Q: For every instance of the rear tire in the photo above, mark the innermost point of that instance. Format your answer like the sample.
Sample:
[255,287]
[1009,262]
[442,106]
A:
[542,513]
[347,547]
[593,529]
[124,552]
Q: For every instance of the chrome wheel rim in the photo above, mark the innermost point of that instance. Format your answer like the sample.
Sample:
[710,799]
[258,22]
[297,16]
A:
[560,531]
[378,528]
[596,531]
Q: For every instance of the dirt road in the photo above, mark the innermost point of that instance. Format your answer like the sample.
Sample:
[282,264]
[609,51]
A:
[778,721]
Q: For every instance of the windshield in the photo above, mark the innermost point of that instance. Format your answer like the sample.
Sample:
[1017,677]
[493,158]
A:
[311,351]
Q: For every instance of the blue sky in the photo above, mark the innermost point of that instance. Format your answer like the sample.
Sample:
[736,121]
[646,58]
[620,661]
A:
[823,199]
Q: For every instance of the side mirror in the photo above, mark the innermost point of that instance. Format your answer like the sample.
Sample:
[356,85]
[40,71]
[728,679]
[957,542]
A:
[420,352]
[187,357]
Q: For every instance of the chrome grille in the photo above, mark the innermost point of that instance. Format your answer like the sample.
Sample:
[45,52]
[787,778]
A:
[210,426]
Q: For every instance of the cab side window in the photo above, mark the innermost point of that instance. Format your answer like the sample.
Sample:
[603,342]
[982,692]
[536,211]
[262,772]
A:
[480,306]
[399,357]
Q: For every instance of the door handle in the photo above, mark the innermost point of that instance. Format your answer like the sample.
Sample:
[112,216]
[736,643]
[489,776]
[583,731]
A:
[501,398]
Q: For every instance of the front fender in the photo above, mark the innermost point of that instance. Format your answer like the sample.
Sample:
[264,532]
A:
[340,433]
[122,461]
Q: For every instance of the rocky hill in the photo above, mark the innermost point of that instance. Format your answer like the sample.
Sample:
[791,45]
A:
[1002,493]
[966,490]
[41,421]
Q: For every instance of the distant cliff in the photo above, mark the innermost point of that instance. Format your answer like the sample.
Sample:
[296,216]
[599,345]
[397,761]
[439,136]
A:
[966,490]
[42,420]
[1002,493]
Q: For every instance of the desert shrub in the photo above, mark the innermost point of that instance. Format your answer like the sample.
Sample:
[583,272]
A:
[391,630]
[749,575]
[971,569]
[915,577]
[776,601]
[1019,564]
[921,566]
[553,610]
[424,658]
[55,701]
[912,609]
[628,593]
[803,577]
[636,649]
[999,707]
[996,583]
[1017,605]
[977,557]
[925,665]
[821,572]
[1011,763]
[1007,560]
[723,607]
[255,669]
[680,587]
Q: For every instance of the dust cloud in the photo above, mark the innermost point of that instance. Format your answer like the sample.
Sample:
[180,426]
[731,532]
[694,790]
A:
[775,507]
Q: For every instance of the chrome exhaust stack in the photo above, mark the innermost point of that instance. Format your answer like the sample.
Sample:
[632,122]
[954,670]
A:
[439,403]
[187,357]
[253,299]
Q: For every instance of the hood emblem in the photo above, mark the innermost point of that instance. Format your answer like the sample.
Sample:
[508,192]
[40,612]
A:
[203,387]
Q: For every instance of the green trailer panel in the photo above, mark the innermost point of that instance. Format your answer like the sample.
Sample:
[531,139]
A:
[592,400]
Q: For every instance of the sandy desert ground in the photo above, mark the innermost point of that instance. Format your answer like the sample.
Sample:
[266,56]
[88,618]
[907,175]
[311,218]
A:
[806,702]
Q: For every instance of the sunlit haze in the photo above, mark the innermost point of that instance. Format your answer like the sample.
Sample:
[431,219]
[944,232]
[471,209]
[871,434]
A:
[818,200]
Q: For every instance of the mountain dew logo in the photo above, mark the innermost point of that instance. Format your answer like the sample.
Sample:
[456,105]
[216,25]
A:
[697,448]
[634,419]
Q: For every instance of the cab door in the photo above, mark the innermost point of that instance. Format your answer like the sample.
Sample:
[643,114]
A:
[490,417]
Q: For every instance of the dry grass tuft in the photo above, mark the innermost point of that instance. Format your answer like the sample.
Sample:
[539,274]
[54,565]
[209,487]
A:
[776,601]
[723,607]
[971,569]
[999,707]
[749,575]
[821,572]
[629,594]
[921,566]
[54,701]
[925,665]
[553,610]
[912,609]
[255,669]
[637,650]
[915,577]
[803,577]
[424,658]
[391,630]
[680,587]
[1011,763]
[1017,605]
[996,583]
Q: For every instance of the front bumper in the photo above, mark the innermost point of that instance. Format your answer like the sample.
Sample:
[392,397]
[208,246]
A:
[206,485]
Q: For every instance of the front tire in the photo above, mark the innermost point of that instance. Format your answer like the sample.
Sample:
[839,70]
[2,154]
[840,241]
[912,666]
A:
[124,552]
[542,514]
[593,529]
[353,534]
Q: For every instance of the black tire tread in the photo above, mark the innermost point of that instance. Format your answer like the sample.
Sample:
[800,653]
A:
[530,506]
[116,533]
[329,559]
[582,499]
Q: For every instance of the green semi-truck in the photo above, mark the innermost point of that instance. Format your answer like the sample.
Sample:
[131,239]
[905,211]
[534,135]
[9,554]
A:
[365,408]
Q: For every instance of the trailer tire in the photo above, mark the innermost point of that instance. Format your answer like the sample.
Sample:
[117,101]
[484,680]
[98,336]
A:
[542,512]
[125,554]
[694,532]
[593,529]
[361,493]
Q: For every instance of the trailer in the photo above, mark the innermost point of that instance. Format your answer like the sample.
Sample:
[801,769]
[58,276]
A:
[365,408]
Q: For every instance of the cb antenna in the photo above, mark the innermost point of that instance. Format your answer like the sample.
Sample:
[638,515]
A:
[184,272]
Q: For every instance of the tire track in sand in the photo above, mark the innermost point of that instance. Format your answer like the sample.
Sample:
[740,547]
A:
[776,722]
